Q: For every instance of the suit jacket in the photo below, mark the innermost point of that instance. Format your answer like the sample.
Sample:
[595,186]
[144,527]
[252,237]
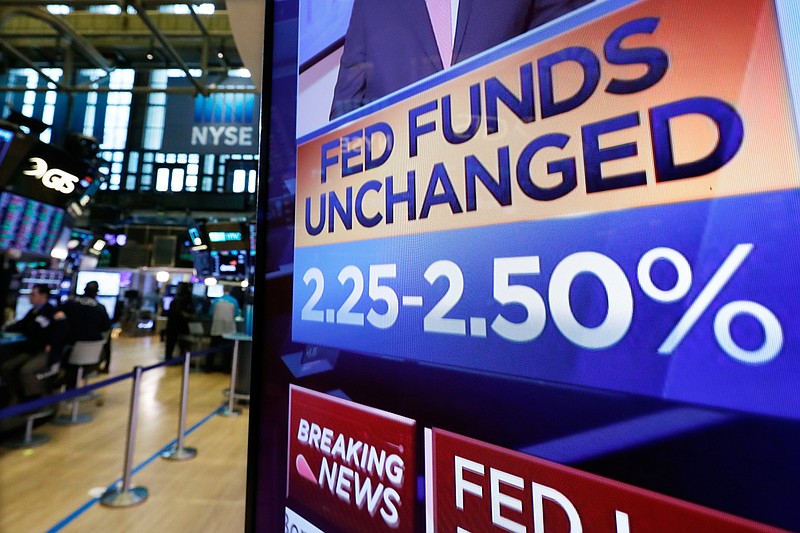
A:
[390,43]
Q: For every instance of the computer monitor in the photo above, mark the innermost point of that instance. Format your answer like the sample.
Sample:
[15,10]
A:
[227,236]
[28,225]
[110,303]
[215,291]
[108,282]
[52,278]
[23,305]
[229,264]
[198,290]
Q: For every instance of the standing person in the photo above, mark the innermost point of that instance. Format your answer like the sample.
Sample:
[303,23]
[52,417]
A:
[393,43]
[88,321]
[224,311]
[180,312]
[44,346]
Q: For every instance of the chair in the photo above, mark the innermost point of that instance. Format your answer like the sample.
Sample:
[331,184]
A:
[83,354]
[31,439]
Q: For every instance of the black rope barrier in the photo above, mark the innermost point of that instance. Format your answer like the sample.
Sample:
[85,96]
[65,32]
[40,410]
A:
[33,405]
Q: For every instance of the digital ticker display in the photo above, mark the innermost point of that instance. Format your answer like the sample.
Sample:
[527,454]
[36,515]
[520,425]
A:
[28,225]
[229,264]
[569,257]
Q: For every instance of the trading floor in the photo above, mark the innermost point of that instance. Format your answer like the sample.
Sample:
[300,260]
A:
[55,487]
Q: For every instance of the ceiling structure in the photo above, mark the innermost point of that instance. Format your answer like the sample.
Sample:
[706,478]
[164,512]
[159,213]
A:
[139,37]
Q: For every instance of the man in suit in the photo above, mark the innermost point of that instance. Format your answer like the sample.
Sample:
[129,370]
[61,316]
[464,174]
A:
[393,43]
[45,334]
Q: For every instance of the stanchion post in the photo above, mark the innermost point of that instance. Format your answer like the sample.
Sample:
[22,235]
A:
[179,453]
[229,410]
[125,496]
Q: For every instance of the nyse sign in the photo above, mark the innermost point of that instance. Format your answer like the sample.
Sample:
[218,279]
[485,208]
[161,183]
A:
[52,178]
[239,136]
[216,123]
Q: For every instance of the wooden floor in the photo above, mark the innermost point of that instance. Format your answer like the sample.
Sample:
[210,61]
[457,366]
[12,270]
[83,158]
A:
[41,487]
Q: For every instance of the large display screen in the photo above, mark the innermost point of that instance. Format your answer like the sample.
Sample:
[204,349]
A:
[556,243]
[28,225]
[227,236]
[108,282]
[229,264]
[37,276]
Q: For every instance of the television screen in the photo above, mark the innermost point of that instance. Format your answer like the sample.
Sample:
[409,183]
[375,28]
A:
[227,236]
[108,282]
[215,291]
[23,305]
[109,303]
[28,225]
[555,246]
[229,264]
[199,290]
[52,278]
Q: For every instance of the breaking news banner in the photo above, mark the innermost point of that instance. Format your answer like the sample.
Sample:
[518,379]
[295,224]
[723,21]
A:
[477,487]
[604,201]
[350,465]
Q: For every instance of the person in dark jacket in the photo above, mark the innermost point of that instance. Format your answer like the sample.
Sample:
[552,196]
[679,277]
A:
[88,321]
[391,44]
[45,337]
[180,312]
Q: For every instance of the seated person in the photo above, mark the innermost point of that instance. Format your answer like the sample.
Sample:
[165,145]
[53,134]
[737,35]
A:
[45,334]
[87,321]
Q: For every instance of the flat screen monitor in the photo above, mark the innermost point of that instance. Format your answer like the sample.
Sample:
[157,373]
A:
[108,282]
[28,225]
[229,264]
[23,305]
[110,304]
[227,236]
[215,291]
[52,278]
[198,290]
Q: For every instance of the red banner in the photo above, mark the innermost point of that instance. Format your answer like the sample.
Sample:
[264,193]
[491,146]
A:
[351,465]
[479,488]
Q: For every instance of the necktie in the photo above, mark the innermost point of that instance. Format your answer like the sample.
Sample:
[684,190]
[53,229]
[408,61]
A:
[439,11]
